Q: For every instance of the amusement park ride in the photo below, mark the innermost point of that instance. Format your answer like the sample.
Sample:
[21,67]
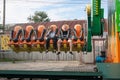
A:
[29,39]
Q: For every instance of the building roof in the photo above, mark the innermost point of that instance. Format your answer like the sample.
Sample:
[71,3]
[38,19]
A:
[71,23]
[57,23]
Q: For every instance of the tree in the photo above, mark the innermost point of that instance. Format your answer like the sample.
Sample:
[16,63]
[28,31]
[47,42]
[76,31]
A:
[39,16]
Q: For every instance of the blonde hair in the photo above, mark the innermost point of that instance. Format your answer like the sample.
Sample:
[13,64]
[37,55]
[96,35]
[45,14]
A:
[53,26]
[77,25]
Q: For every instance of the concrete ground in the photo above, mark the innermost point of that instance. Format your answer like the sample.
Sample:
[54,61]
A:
[46,66]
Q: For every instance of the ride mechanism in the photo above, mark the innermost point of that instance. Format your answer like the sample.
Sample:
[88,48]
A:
[29,38]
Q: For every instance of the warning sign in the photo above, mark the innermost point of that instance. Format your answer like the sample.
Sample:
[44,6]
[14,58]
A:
[4,39]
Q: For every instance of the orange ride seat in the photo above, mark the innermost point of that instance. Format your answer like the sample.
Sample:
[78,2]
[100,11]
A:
[41,30]
[55,28]
[29,30]
[15,36]
[78,34]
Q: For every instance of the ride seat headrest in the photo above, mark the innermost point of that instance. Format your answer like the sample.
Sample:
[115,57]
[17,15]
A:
[78,30]
[40,28]
[29,28]
[16,28]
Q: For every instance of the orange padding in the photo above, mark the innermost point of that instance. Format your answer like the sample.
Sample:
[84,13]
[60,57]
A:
[11,43]
[51,41]
[64,41]
[40,30]
[16,29]
[78,29]
[29,28]
[79,42]
[38,42]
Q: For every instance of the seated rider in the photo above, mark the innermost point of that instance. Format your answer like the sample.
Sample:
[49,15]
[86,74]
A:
[51,34]
[65,34]
[102,57]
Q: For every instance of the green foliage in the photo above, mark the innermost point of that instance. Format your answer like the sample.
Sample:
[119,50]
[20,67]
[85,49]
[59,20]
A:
[39,16]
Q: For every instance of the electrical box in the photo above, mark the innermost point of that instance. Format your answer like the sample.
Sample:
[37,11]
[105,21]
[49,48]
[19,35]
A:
[4,39]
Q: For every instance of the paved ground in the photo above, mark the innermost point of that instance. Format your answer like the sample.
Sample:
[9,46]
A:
[46,66]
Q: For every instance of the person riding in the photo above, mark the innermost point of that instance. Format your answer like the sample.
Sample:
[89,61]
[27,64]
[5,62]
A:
[51,35]
[65,34]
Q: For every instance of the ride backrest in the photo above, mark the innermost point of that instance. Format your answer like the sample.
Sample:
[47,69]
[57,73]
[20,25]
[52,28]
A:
[28,32]
[16,30]
[78,31]
[41,31]
[15,34]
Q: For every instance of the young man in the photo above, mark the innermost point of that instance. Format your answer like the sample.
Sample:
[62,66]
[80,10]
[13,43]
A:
[52,34]
[65,34]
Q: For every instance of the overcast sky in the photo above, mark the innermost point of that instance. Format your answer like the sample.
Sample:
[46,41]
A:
[17,11]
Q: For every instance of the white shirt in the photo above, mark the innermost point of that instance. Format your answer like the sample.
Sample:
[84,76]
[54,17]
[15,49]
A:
[52,34]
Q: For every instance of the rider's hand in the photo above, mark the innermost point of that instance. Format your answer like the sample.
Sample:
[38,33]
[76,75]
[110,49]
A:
[45,38]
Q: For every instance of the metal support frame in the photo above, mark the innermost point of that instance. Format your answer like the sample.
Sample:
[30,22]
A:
[4,10]
[51,75]
[89,35]
[96,28]
[93,41]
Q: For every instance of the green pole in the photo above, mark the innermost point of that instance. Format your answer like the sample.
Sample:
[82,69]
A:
[89,35]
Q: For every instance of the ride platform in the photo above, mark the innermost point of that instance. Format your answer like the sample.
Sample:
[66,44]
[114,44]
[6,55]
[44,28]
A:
[49,70]
[110,71]
[56,70]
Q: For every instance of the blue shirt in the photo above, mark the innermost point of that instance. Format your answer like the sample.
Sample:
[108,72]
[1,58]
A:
[52,34]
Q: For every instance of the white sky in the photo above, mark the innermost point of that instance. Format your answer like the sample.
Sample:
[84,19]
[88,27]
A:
[17,11]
